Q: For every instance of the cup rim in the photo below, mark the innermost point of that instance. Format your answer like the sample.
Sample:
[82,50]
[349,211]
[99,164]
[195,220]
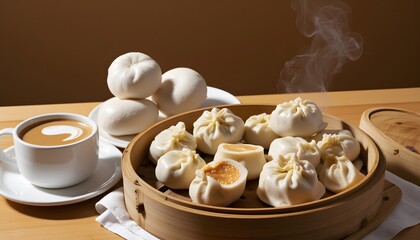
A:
[63,115]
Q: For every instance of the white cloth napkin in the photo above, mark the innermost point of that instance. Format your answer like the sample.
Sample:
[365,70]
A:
[114,217]
[404,215]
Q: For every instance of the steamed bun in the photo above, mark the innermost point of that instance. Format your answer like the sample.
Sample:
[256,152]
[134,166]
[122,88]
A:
[126,116]
[182,89]
[134,75]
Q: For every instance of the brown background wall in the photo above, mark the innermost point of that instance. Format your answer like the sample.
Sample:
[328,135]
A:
[59,51]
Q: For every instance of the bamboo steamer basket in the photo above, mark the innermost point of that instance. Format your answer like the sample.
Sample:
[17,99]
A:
[397,133]
[171,215]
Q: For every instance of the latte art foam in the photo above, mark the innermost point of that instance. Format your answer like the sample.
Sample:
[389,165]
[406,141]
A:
[74,132]
[56,132]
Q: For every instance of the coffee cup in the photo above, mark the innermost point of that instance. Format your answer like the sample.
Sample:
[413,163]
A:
[54,150]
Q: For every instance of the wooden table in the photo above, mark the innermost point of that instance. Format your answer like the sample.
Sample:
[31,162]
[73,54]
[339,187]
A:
[77,221]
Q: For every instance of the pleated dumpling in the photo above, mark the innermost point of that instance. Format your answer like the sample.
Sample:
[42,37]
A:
[174,138]
[258,132]
[215,127]
[219,183]
[339,144]
[338,173]
[299,118]
[288,181]
[176,168]
[304,150]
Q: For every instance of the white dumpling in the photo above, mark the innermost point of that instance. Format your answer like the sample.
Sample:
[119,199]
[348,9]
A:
[250,156]
[299,118]
[338,173]
[215,127]
[182,89]
[126,116]
[340,144]
[174,138]
[258,132]
[176,168]
[304,150]
[219,183]
[134,75]
[288,181]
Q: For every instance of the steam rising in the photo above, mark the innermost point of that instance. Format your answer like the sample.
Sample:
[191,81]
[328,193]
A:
[326,22]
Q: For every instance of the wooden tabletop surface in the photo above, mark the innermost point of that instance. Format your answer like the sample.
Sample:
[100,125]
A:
[77,221]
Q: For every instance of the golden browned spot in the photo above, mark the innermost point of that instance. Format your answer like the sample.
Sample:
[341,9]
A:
[223,172]
[239,147]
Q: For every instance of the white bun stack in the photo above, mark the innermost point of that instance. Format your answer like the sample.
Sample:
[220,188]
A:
[143,95]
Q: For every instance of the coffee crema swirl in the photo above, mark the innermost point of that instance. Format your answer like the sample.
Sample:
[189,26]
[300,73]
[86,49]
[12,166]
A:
[56,132]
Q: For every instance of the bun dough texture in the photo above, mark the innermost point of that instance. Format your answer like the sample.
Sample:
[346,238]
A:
[338,173]
[340,144]
[182,89]
[134,75]
[250,156]
[126,116]
[304,150]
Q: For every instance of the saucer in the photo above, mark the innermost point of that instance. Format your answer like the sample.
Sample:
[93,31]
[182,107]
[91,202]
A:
[15,187]
[215,96]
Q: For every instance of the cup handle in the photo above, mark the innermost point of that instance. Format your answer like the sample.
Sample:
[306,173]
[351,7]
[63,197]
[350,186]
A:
[4,156]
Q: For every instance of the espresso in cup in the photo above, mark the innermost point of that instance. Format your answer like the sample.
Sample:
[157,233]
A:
[56,132]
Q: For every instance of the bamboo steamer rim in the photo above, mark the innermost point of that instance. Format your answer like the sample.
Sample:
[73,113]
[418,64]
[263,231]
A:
[131,175]
[367,124]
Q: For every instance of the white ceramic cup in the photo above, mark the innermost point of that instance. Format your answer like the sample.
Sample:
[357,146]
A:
[54,166]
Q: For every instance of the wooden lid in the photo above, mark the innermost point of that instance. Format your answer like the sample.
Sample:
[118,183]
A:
[397,132]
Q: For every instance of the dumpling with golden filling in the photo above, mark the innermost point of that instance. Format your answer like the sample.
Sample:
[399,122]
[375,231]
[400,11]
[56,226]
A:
[219,183]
